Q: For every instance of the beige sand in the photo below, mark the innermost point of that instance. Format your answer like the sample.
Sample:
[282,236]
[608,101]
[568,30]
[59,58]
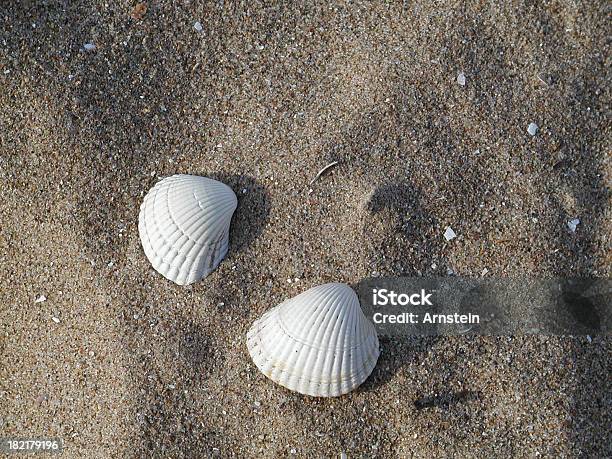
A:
[262,99]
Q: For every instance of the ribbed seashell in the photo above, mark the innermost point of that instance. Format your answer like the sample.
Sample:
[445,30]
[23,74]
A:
[184,226]
[318,343]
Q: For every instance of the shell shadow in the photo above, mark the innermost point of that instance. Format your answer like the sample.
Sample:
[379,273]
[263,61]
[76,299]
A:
[252,212]
[395,354]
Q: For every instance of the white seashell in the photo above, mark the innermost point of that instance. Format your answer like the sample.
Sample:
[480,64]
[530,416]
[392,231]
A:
[318,343]
[184,226]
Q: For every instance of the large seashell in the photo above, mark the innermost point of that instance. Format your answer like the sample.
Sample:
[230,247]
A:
[184,226]
[318,343]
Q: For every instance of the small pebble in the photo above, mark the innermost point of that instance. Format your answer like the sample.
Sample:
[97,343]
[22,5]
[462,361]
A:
[484,272]
[532,128]
[89,47]
[198,26]
[449,234]
[55,319]
[41,299]
[461,78]
[573,224]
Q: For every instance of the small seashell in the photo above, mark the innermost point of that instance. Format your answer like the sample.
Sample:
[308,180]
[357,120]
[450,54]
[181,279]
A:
[184,226]
[318,343]
[573,224]
[461,79]
[532,129]
[449,234]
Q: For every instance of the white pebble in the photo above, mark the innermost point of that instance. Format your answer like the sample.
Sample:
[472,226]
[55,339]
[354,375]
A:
[198,26]
[461,78]
[41,299]
[449,234]
[484,272]
[55,319]
[573,224]
[89,47]
[532,128]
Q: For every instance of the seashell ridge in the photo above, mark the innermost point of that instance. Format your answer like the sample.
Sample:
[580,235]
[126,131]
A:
[184,226]
[318,343]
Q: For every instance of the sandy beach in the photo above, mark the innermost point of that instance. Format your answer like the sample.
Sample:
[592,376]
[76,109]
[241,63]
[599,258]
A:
[98,102]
